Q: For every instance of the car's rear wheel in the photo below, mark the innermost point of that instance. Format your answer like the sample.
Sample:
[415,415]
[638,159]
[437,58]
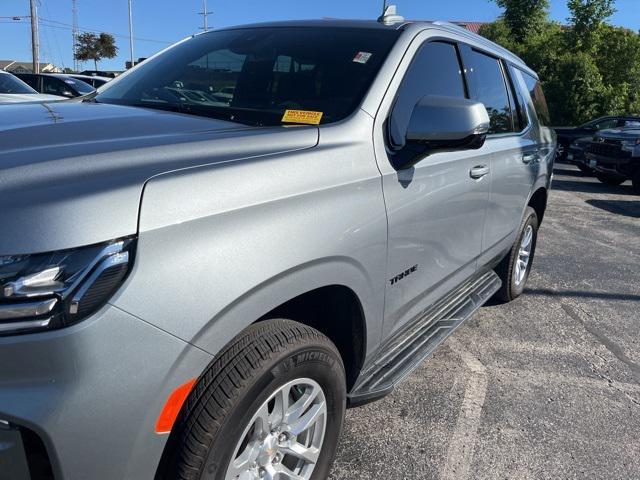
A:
[514,269]
[609,179]
[270,407]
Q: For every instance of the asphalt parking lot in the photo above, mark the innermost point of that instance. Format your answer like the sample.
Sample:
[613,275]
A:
[547,387]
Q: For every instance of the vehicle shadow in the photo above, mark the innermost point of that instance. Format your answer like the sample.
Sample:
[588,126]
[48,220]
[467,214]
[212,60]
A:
[590,187]
[628,208]
[546,292]
[569,173]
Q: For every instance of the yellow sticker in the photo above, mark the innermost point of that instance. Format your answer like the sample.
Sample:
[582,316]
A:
[302,116]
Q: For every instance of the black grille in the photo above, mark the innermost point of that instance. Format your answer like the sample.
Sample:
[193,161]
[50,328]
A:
[607,149]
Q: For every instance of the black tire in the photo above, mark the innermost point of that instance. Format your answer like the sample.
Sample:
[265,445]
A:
[608,179]
[510,290]
[586,169]
[636,182]
[242,378]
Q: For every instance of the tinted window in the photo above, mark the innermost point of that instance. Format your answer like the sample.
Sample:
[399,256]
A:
[11,84]
[30,80]
[53,86]
[488,86]
[537,97]
[435,70]
[606,123]
[254,76]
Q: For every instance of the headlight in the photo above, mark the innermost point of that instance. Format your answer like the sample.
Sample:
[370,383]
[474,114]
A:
[630,145]
[52,290]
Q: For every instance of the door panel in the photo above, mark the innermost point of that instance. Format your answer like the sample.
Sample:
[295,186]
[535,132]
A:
[436,214]
[436,209]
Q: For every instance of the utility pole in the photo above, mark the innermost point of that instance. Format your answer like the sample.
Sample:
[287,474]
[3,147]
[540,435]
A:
[133,62]
[35,41]
[75,33]
[205,13]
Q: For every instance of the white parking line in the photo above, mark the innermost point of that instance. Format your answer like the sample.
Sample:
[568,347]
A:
[463,440]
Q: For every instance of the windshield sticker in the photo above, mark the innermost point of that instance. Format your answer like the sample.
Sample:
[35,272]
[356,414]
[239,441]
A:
[302,116]
[362,57]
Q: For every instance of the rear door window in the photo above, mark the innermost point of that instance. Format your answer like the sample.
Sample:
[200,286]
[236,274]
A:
[435,70]
[521,117]
[53,86]
[537,97]
[488,86]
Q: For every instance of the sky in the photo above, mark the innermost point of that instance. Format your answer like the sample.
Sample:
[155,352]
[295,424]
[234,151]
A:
[158,23]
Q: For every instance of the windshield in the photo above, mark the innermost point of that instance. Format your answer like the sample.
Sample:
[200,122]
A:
[260,76]
[11,84]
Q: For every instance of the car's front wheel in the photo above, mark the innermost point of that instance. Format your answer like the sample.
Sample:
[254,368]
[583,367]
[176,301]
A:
[270,407]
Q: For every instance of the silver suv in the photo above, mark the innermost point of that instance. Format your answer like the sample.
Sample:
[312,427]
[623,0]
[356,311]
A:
[204,264]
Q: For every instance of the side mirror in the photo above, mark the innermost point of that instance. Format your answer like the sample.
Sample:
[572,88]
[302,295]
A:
[443,124]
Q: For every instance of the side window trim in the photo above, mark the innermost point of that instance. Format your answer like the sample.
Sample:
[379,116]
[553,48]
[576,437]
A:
[465,50]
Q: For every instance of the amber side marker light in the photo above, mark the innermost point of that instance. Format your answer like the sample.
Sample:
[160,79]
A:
[172,407]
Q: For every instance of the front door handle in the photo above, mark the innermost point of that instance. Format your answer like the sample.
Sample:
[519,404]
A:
[529,158]
[479,171]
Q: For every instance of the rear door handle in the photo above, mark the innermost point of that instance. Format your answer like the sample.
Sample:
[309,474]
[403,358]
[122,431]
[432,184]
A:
[529,158]
[479,171]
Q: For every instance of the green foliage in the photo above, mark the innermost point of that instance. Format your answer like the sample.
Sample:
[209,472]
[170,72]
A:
[524,16]
[587,18]
[588,68]
[95,47]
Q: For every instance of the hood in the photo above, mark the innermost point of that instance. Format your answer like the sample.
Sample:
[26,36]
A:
[583,141]
[28,98]
[73,173]
[564,129]
[620,133]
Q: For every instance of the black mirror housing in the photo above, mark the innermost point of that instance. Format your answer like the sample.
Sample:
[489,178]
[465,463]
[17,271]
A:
[443,124]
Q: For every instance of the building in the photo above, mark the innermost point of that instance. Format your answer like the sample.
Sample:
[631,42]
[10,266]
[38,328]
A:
[471,26]
[14,66]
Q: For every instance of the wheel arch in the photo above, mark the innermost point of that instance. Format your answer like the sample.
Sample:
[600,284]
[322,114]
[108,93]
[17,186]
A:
[538,201]
[336,311]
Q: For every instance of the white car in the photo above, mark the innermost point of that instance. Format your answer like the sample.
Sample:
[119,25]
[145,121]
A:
[14,90]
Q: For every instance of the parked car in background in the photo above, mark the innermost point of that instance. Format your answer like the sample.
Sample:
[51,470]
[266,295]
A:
[94,81]
[193,290]
[56,84]
[14,90]
[98,73]
[576,154]
[615,156]
[568,135]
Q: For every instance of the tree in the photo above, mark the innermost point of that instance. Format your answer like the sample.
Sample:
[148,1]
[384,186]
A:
[95,47]
[587,18]
[523,16]
[588,68]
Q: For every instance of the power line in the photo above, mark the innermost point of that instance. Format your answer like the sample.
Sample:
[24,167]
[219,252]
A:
[66,26]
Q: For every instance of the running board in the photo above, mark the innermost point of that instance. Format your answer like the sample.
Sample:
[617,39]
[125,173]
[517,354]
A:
[406,350]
